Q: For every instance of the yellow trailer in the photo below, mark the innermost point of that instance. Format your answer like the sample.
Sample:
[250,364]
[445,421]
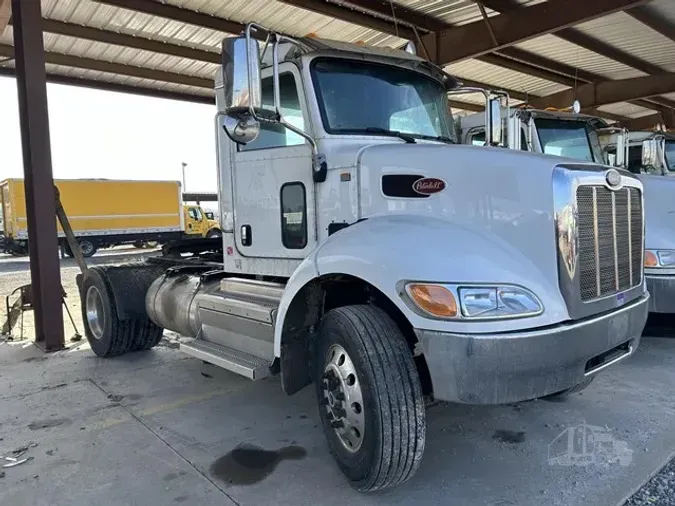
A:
[102,212]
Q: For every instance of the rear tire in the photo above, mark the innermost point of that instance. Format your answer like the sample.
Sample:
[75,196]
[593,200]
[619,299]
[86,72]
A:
[109,336]
[366,379]
[88,248]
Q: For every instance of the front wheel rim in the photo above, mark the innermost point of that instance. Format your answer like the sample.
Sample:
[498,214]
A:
[95,314]
[343,398]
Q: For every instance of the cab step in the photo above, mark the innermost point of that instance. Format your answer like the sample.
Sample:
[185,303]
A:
[244,364]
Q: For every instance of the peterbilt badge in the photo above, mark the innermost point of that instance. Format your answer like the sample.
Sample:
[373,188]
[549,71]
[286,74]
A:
[613,179]
[428,185]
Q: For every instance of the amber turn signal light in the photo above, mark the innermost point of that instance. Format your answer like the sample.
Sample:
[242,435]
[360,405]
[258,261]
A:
[650,259]
[434,299]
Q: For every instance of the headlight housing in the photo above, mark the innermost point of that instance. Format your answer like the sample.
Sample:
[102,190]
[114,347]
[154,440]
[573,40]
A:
[467,302]
[662,258]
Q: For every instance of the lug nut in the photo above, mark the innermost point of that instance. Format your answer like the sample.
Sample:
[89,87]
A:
[337,424]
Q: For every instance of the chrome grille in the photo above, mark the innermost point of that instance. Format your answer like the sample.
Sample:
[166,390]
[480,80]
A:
[610,240]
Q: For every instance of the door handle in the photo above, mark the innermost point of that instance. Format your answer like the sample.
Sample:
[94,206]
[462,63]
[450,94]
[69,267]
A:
[246,235]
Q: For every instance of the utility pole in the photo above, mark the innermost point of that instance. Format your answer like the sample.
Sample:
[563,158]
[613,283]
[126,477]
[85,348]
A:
[183,165]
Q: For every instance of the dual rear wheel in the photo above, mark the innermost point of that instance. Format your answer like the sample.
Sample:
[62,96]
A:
[107,333]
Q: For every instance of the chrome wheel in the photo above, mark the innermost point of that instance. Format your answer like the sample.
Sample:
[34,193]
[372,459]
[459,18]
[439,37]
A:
[343,398]
[95,314]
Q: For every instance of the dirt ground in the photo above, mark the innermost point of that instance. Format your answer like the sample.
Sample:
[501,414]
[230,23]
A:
[14,272]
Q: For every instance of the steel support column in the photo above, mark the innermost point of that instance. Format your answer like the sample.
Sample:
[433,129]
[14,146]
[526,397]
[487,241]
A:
[37,165]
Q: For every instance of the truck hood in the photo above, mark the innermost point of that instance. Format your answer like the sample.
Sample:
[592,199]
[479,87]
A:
[659,211]
[503,193]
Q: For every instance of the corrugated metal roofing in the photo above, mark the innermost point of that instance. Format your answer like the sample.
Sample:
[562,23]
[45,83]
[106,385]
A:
[496,76]
[629,35]
[620,30]
[560,50]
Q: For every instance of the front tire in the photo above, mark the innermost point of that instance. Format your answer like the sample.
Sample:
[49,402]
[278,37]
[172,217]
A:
[107,334]
[370,397]
[214,234]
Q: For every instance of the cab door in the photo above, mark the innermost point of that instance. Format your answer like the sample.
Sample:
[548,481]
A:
[194,221]
[273,189]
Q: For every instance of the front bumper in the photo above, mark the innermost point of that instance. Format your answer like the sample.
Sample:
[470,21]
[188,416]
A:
[661,290]
[517,366]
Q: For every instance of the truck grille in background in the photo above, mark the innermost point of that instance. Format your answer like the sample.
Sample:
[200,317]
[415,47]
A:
[610,240]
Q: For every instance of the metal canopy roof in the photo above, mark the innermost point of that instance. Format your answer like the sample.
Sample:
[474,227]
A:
[531,48]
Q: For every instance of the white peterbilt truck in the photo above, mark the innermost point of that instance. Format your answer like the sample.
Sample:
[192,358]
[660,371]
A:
[590,139]
[365,252]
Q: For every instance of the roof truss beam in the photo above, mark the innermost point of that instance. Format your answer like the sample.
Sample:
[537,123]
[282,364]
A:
[117,68]
[118,87]
[395,13]
[610,92]
[580,39]
[512,27]
[125,40]
[539,66]
[356,16]
[657,23]
[180,14]
[649,122]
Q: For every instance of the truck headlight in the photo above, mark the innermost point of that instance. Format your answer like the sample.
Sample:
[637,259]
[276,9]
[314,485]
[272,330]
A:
[474,302]
[498,302]
[659,258]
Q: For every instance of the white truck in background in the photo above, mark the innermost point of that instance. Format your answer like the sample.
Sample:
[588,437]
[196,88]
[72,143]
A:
[364,251]
[590,139]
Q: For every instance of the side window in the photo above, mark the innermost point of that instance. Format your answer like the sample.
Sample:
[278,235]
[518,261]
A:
[198,214]
[273,135]
[293,216]
[478,138]
[193,213]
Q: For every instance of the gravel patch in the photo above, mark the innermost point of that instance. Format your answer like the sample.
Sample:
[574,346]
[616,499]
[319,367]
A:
[659,491]
[14,272]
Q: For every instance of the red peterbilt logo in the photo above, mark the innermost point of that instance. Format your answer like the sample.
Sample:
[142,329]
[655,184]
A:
[428,185]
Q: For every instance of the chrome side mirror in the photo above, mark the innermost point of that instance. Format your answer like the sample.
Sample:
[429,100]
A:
[495,113]
[243,88]
[652,154]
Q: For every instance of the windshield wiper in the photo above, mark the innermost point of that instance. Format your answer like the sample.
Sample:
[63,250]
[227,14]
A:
[439,138]
[409,139]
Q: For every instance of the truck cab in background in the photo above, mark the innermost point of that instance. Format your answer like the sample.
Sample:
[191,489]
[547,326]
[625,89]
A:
[198,224]
[649,152]
[651,156]
[559,133]
[590,139]
[366,252]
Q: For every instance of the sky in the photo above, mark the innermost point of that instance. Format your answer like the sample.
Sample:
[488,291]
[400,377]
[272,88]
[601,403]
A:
[102,134]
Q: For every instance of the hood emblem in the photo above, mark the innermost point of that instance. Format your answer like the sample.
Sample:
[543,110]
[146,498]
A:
[428,185]
[613,179]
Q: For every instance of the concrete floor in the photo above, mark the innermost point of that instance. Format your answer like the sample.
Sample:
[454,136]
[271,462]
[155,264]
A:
[150,429]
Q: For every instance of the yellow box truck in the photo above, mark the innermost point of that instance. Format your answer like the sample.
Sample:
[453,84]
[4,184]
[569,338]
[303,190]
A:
[102,212]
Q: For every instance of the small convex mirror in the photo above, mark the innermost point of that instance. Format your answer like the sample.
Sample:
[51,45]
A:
[243,89]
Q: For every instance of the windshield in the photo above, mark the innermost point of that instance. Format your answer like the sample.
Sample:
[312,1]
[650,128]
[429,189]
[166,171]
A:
[670,155]
[565,138]
[362,97]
